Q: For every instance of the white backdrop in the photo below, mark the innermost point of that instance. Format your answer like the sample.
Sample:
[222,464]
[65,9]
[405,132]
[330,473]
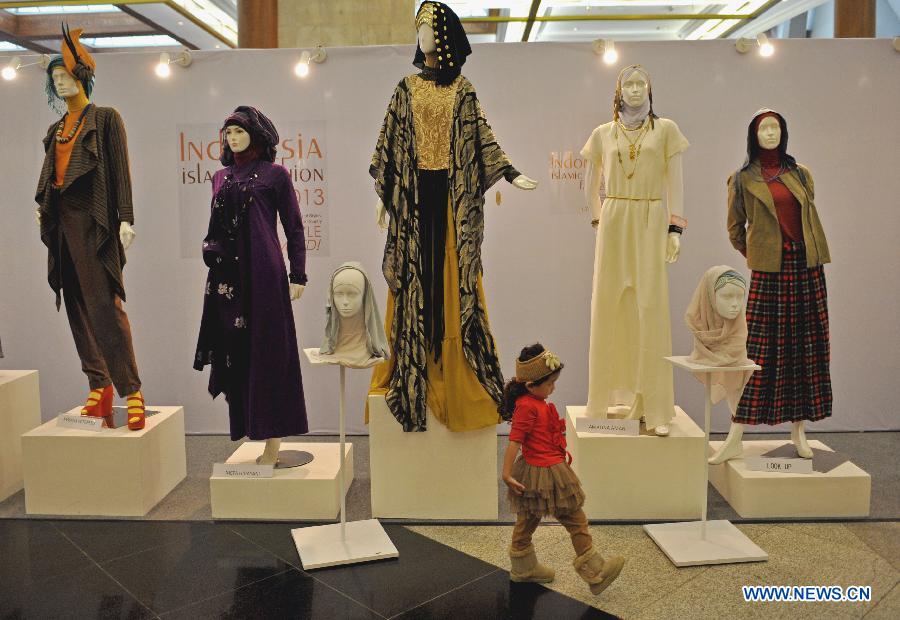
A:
[839,97]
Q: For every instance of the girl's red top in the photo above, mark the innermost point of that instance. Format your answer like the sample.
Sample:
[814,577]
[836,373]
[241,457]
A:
[537,426]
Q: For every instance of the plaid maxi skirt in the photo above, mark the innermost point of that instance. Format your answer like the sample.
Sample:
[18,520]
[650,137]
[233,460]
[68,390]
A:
[787,325]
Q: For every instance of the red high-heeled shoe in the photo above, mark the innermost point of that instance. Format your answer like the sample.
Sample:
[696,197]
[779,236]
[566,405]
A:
[99,405]
[136,411]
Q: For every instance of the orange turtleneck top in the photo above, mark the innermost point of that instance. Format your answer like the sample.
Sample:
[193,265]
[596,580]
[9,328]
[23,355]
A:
[76,106]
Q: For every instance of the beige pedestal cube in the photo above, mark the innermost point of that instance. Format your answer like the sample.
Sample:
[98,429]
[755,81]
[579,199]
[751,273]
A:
[113,472]
[20,411]
[640,477]
[845,491]
[437,474]
[307,492]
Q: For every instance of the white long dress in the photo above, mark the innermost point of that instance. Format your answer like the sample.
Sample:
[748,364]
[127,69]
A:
[630,331]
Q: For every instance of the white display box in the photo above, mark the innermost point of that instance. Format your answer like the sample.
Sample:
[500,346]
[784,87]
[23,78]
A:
[294,493]
[845,491]
[20,411]
[437,474]
[114,472]
[644,477]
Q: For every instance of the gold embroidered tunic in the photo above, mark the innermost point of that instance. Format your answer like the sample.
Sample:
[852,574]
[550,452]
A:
[432,119]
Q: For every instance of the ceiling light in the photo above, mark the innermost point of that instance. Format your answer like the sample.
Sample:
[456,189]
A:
[301,69]
[744,45]
[766,49]
[607,48]
[163,67]
[11,70]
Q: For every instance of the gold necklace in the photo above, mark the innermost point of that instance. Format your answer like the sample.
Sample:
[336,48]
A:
[634,154]
[633,147]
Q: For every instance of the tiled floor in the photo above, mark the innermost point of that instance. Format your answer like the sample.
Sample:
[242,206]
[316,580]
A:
[650,587]
[115,569]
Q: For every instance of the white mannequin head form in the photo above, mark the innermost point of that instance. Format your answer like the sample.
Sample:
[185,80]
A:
[347,291]
[66,86]
[237,137]
[635,89]
[729,300]
[426,39]
[768,133]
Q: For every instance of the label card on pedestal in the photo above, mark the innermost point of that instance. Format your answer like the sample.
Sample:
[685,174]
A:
[81,422]
[243,470]
[609,426]
[779,465]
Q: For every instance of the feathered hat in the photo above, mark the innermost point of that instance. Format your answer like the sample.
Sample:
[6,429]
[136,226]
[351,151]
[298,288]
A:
[76,60]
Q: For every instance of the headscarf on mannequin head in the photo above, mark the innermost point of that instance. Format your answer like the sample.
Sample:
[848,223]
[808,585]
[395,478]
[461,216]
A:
[77,61]
[719,341]
[450,37]
[753,147]
[376,340]
[263,135]
[631,116]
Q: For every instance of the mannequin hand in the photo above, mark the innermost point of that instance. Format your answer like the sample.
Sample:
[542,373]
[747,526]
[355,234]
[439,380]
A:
[523,182]
[37,217]
[126,234]
[514,485]
[381,215]
[673,247]
[297,291]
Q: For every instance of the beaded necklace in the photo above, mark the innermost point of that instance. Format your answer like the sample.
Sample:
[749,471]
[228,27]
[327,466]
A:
[62,123]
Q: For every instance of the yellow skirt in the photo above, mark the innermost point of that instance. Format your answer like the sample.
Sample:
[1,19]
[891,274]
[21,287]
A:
[455,395]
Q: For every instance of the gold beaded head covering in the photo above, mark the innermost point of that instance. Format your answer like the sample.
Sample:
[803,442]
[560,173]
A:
[542,365]
[450,40]
[624,74]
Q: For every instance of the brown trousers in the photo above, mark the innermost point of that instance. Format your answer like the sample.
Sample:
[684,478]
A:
[574,522]
[99,324]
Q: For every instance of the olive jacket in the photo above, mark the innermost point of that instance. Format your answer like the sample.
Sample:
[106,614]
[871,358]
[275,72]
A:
[753,222]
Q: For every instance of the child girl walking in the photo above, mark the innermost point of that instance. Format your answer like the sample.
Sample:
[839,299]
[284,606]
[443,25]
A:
[541,482]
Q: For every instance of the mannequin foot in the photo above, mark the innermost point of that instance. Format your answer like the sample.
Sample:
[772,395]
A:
[270,453]
[727,451]
[136,411]
[662,430]
[798,436]
[99,405]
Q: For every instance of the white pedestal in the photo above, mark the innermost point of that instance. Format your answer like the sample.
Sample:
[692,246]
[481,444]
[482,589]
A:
[114,472]
[843,492]
[643,477]
[307,492]
[722,543]
[437,474]
[20,411]
[325,545]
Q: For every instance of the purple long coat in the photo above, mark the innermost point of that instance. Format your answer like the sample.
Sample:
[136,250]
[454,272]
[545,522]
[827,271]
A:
[247,331]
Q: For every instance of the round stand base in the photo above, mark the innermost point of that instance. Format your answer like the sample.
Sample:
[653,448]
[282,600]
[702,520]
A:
[293,458]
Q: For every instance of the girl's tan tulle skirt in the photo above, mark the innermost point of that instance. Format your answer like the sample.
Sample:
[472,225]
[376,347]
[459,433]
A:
[548,490]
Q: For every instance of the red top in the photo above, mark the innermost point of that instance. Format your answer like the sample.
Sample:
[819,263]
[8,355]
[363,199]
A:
[786,205]
[537,426]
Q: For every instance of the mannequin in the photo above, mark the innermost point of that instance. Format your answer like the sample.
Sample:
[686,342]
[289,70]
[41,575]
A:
[435,159]
[716,317]
[85,218]
[247,332]
[771,200]
[635,157]
[354,335]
